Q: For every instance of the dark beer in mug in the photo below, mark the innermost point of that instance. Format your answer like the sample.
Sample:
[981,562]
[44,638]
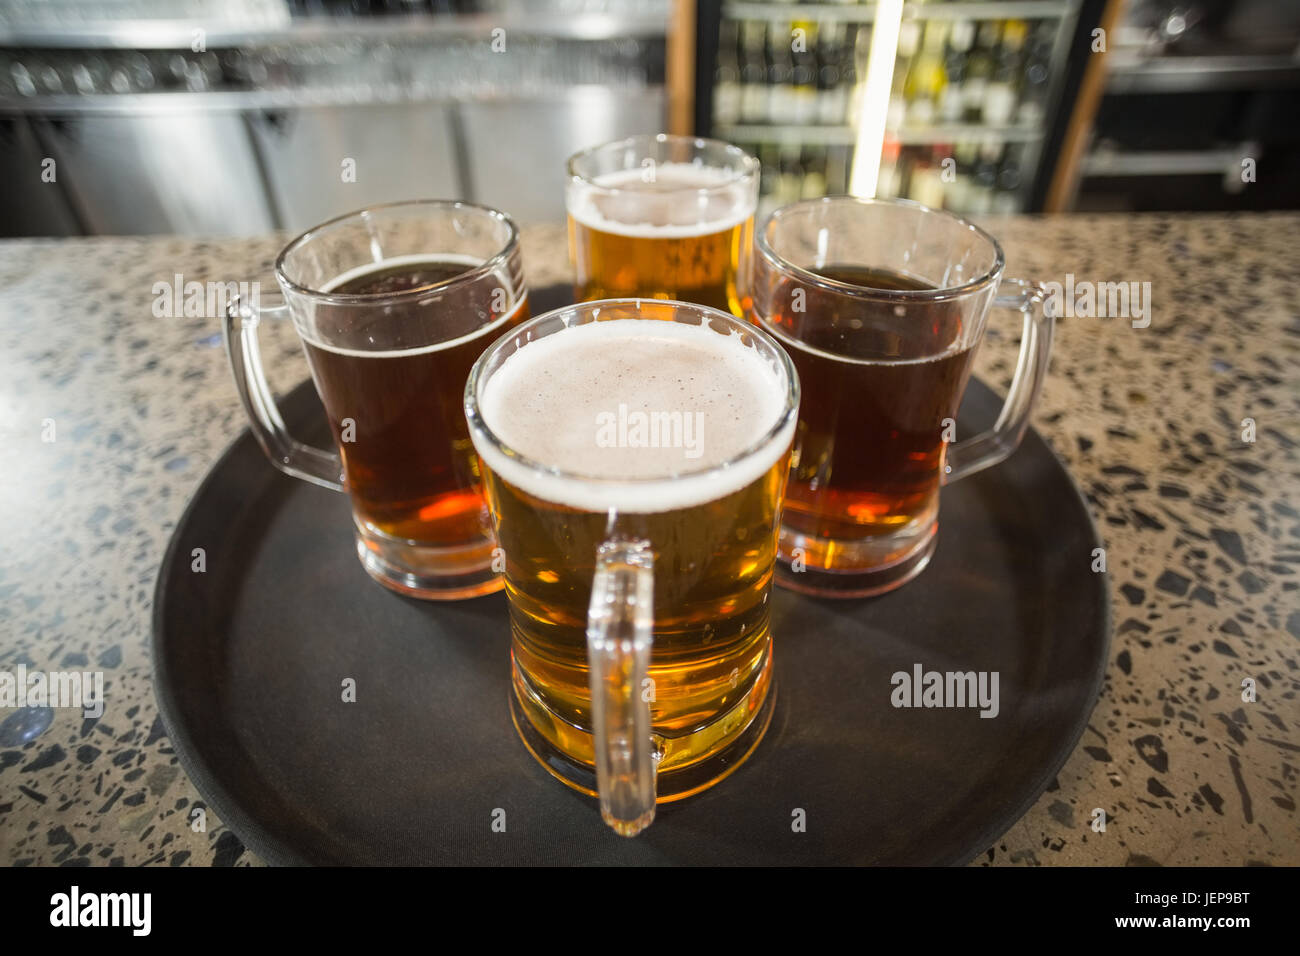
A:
[398,415]
[393,305]
[876,405]
[881,306]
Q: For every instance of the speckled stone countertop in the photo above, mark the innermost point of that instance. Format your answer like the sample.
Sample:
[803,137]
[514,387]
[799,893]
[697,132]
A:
[1202,530]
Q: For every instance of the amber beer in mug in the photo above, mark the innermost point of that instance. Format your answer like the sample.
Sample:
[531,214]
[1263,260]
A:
[394,305]
[666,217]
[882,306]
[634,458]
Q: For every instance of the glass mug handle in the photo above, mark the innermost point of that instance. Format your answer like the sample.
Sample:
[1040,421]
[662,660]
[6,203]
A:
[620,621]
[317,465]
[988,448]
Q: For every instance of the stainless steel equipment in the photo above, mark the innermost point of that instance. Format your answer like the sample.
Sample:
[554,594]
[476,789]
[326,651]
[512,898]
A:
[205,125]
[322,161]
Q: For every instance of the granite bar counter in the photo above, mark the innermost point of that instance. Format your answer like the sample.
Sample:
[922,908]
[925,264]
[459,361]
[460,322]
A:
[1184,435]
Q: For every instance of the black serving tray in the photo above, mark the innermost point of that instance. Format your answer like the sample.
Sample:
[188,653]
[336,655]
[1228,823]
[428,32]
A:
[250,655]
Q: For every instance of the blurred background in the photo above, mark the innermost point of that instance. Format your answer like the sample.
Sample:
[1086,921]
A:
[214,118]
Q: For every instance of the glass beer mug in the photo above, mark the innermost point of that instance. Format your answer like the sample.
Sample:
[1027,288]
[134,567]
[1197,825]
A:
[634,455]
[393,304]
[882,306]
[665,217]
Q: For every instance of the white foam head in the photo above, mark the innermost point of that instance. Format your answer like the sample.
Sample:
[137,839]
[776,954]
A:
[641,416]
[664,201]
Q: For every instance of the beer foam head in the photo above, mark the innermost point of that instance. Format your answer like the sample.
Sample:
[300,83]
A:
[636,415]
[664,201]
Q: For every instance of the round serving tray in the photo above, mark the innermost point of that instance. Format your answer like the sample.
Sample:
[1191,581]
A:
[250,657]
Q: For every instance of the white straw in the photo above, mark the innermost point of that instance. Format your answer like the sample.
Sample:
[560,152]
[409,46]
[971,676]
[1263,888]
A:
[875,99]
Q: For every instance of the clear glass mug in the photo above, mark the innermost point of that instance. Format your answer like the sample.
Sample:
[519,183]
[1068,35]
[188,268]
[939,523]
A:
[664,217]
[882,305]
[618,583]
[393,304]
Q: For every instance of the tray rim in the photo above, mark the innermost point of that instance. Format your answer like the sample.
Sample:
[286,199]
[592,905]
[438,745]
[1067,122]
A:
[207,783]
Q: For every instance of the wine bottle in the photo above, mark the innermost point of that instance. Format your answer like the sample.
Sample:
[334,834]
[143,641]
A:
[856,58]
[1036,82]
[957,193]
[909,39]
[926,75]
[726,77]
[790,180]
[768,177]
[985,178]
[803,84]
[753,75]
[780,75]
[837,170]
[925,184]
[889,179]
[832,99]
[814,173]
[960,39]
[1006,192]
[979,71]
[1003,90]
